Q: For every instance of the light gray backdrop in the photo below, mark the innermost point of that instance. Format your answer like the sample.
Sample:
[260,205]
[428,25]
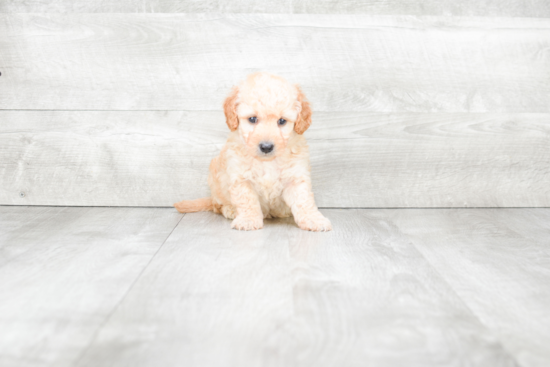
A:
[416,103]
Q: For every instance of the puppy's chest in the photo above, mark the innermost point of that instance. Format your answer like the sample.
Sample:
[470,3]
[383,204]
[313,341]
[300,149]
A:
[267,179]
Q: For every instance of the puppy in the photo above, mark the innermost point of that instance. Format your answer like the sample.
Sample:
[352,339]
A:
[263,169]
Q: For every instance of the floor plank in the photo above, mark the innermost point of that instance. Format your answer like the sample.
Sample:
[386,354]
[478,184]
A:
[19,228]
[343,62]
[360,295]
[156,158]
[498,262]
[67,270]
[366,292]
[387,287]
[210,297]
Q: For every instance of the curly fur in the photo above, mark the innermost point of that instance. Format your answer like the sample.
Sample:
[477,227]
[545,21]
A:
[248,184]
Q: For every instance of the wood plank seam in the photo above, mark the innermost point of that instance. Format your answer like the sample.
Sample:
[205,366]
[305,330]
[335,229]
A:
[450,286]
[97,331]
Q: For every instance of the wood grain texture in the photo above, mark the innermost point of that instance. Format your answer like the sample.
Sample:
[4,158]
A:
[64,270]
[156,158]
[515,8]
[211,297]
[343,62]
[360,295]
[498,262]
[21,227]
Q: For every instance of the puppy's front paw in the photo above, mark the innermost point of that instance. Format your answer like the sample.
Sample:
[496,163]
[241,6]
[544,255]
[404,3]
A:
[314,222]
[247,223]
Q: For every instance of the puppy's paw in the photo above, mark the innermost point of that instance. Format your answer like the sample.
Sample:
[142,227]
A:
[247,223]
[314,222]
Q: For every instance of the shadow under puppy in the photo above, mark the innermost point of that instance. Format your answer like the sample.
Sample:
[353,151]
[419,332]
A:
[263,169]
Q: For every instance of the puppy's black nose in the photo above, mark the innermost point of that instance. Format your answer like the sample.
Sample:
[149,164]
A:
[266,147]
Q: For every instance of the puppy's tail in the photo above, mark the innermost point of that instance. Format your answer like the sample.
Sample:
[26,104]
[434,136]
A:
[192,206]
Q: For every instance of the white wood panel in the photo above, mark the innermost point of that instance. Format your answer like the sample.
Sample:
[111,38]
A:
[343,62]
[498,262]
[360,295]
[516,8]
[69,275]
[155,158]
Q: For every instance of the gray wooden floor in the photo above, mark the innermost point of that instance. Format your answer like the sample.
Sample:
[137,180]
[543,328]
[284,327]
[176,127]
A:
[83,286]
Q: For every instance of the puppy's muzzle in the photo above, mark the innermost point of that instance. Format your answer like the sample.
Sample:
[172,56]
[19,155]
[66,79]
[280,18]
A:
[266,147]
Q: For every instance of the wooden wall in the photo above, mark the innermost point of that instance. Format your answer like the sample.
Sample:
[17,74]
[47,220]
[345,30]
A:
[416,104]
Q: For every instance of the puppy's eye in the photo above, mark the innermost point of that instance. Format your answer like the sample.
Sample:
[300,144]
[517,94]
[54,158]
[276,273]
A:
[281,122]
[252,120]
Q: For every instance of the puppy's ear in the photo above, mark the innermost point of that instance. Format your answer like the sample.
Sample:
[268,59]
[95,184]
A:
[230,109]
[304,117]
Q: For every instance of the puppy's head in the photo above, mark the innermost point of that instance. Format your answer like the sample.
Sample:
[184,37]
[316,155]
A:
[266,111]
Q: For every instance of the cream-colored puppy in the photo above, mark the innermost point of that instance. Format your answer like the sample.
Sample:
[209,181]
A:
[263,169]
